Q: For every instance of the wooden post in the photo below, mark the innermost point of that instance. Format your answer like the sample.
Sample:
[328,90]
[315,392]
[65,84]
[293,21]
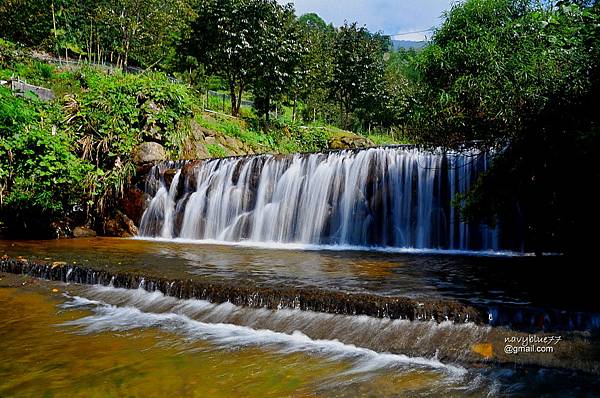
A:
[54,28]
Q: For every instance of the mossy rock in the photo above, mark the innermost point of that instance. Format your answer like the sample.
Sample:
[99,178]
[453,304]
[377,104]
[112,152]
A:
[348,140]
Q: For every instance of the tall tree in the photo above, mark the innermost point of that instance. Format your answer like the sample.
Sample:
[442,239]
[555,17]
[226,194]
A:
[359,69]
[245,42]
[277,65]
[144,29]
[316,71]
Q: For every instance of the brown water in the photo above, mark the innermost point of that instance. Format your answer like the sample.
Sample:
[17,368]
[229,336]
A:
[53,347]
[44,357]
[72,340]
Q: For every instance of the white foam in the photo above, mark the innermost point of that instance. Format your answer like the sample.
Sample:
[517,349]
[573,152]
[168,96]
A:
[114,318]
[336,248]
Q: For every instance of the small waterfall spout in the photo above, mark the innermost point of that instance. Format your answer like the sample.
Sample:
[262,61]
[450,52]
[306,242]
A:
[382,197]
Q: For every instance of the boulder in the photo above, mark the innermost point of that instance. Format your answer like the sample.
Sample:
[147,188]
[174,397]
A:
[199,132]
[149,152]
[169,175]
[133,204]
[195,150]
[347,140]
[189,173]
[119,226]
[83,232]
[210,141]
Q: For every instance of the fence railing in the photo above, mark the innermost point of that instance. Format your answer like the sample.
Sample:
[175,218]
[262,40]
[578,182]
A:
[222,101]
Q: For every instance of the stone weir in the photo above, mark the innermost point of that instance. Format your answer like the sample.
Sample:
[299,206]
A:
[379,197]
[246,295]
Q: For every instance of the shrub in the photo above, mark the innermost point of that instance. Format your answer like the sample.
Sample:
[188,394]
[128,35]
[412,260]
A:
[39,173]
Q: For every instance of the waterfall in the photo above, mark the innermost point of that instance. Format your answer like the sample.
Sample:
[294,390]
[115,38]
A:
[379,197]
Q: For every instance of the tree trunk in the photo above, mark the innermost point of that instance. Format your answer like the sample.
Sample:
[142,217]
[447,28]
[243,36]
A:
[126,56]
[268,108]
[91,42]
[55,32]
[239,100]
[233,98]
[294,109]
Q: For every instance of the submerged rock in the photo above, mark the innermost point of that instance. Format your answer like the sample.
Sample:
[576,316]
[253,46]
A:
[83,232]
[248,295]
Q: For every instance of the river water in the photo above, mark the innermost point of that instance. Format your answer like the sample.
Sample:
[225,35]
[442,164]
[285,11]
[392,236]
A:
[78,340]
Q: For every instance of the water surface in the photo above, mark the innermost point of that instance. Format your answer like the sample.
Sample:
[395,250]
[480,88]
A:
[487,281]
[66,340]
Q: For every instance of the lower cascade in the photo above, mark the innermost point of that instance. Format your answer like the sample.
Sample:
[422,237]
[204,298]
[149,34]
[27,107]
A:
[379,197]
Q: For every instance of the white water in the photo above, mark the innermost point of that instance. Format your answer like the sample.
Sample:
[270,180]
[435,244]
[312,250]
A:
[339,248]
[201,320]
[382,197]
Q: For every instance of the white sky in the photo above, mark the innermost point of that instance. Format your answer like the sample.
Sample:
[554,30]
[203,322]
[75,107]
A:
[387,16]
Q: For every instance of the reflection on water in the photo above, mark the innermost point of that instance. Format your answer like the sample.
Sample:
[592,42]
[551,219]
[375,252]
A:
[484,281]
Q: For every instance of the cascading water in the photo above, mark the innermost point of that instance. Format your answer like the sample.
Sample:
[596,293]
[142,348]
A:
[383,197]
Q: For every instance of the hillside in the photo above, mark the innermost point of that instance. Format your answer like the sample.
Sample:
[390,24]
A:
[84,146]
[408,44]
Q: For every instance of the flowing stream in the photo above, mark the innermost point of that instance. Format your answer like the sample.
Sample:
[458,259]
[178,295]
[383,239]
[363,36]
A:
[149,336]
[343,274]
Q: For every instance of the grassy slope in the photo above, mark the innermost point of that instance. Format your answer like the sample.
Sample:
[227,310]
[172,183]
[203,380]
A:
[281,137]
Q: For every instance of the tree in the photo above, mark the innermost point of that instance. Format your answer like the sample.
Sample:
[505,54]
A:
[278,60]
[25,21]
[358,72]
[246,42]
[143,29]
[316,72]
[223,41]
[401,85]
[523,78]
[313,21]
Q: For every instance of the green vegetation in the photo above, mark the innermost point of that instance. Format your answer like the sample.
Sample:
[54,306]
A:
[77,151]
[216,151]
[525,79]
[142,31]
[40,175]
[519,76]
[280,138]
[72,158]
[318,72]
